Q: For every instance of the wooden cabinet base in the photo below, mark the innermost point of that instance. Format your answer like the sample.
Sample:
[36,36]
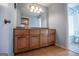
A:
[30,39]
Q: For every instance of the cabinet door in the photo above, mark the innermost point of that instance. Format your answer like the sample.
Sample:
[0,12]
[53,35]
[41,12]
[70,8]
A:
[43,37]
[34,42]
[21,43]
[34,38]
[51,37]
[34,31]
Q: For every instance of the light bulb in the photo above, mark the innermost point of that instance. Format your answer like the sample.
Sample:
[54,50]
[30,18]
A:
[40,9]
[31,10]
[32,7]
[36,8]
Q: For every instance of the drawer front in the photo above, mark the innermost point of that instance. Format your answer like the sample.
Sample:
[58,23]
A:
[34,35]
[44,31]
[34,31]
[52,31]
[21,32]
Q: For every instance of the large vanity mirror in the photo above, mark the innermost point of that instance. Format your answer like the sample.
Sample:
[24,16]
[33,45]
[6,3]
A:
[35,13]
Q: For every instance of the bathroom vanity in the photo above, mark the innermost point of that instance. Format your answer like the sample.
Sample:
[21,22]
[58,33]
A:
[32,38]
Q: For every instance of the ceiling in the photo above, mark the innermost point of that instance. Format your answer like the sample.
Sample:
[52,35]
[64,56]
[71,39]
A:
[45,4]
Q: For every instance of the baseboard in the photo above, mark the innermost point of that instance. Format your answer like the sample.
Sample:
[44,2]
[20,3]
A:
[11,54]
[3,54]
[61,46]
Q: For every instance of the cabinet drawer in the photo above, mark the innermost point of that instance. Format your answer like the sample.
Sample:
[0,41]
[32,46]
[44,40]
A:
[34,31]
[34,35]
[21,32]
[44,31]
[52,31]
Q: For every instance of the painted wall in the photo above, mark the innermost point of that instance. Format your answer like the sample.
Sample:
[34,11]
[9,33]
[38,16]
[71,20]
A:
[18,16]
[58,20]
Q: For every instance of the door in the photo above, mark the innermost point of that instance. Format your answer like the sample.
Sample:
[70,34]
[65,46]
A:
[6,12]
[4,28]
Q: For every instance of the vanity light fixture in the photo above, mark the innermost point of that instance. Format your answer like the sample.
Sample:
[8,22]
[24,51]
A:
[35,9]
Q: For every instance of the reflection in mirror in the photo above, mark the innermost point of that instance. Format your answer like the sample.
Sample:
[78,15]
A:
[36,13]
[24,22]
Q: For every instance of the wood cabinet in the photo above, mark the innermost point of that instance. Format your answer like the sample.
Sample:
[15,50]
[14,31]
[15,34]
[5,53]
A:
[28,39]
[21,43]
[34,38]
[43,37]
[51,36]
[34,42]
[21,40]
